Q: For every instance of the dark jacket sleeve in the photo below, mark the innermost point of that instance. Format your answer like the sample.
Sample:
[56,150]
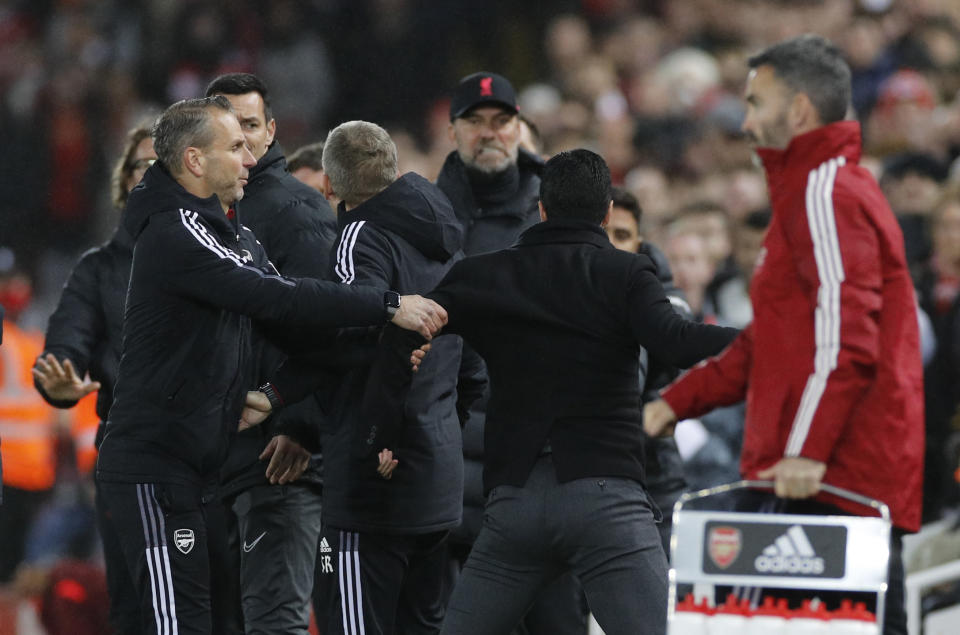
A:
[659,329]
[471,382]
[367,265]
[77,324]
[216,276]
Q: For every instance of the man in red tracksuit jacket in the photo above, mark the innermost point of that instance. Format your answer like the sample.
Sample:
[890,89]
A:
[830,366]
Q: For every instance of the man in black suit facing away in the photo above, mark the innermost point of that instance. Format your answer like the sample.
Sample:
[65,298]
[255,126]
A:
[559,319]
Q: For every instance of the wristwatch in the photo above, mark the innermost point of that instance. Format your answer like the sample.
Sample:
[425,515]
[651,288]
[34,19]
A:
[276,402]
[391,301]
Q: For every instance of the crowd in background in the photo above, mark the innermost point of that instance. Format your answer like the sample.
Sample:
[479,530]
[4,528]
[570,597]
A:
[653,86]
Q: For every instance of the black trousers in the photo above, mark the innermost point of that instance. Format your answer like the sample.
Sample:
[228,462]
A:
[601,529]
[380,584]
[168,536]
[17,513]
[560,609]
[125,615]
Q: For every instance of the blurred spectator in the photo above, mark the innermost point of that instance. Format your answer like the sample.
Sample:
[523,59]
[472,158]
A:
[746,191]
[302,99]
[623,228]
[29,428]
[902,119]
[732,297]
[939,289]
[692,266]
[306,164]
[911,183]
[871,61]
[74,600]
[530,138]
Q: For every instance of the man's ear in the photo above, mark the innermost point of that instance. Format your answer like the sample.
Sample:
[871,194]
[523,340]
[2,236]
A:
[451,135]
[326,187]
[271,131]
[606,217]
[802,115]
[194,161]
[543,211]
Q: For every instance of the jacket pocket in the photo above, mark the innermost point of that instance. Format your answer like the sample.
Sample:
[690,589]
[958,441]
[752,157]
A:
[185,396]
[175,499]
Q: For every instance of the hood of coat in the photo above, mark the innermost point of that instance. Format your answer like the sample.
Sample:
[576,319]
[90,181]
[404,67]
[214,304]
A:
[416,210]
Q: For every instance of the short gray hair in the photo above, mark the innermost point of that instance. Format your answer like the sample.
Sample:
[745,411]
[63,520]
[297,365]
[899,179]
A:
[811,65]
[183,125]
[360,159]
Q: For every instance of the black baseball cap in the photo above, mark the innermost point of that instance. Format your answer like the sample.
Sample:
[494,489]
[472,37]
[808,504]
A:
[482,88]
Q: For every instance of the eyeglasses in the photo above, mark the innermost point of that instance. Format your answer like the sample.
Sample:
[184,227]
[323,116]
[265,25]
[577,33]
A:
[140,164]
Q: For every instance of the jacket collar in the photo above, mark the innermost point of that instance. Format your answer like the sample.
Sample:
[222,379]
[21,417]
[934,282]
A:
[807,151]
[455,183]
[273,159]
[159,192]
[563,231]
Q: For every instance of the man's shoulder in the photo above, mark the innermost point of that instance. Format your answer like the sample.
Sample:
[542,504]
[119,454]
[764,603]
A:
[271,189]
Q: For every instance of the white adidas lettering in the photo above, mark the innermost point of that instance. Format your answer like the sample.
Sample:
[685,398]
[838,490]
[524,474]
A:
[790,553]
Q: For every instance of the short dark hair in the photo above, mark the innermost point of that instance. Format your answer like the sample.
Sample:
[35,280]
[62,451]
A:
[308,156]
[241,84]
[185,124]
[922,164]
[625,200]
[576,185]
[757,219]
[811,65]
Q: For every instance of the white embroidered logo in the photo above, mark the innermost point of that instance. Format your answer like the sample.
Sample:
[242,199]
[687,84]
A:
[248,548]
[183,539]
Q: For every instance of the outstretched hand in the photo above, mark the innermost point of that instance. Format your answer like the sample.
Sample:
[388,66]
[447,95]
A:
[420,314]
[255,411]
[60,381]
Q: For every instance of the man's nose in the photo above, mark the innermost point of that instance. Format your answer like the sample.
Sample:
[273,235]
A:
[248,159]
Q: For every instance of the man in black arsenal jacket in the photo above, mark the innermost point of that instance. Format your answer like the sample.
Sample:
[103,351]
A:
[196,276]
[559,320]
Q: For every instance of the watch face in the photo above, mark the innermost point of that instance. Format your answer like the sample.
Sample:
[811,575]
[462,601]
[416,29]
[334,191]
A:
[392,299]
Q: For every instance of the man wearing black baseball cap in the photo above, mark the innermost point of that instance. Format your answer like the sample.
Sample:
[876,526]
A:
[494,186]
[483,88]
